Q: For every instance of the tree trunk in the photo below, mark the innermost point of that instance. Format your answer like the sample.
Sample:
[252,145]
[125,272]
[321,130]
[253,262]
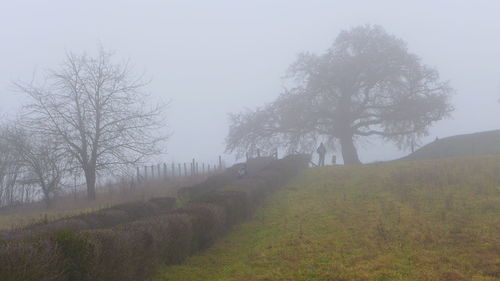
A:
[90,179]
[48,201]
[46,195]
[349,152]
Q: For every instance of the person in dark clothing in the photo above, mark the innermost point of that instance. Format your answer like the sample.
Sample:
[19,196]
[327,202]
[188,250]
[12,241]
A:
[321,152]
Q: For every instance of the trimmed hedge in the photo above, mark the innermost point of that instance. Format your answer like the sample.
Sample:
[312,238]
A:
[33,259]
[127,252]
[104,218]
[208,223]
[133,250]
[235,204]
[214,182]
[230,175]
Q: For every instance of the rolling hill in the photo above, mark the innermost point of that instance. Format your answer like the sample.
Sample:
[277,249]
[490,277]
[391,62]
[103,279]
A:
[419,220]
[483,143]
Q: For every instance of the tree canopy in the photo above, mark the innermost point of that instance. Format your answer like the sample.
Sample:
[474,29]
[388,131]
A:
[97,110]
[366,84]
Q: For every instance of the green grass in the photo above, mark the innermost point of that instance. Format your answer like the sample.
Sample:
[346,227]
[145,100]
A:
[426,220]
[483,143]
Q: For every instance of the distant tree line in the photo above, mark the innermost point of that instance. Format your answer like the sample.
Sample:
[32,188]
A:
[90,116]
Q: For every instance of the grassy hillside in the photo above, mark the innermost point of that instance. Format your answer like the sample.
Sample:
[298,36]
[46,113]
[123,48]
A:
[422,220]
[484,143]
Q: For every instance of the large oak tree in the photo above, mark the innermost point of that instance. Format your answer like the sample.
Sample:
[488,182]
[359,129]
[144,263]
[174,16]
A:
[366,84]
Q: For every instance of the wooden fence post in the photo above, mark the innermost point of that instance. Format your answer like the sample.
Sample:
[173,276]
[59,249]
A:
[146,172]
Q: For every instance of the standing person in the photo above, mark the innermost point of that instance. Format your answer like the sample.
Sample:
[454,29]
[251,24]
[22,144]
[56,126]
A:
[242,171]
[275,153]
[321,152]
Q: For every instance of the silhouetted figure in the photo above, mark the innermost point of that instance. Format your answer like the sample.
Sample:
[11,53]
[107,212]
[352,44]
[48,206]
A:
[242,171]
[275,153]
[321,152]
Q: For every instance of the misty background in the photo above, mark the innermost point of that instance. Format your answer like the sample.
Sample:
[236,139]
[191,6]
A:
[210,58]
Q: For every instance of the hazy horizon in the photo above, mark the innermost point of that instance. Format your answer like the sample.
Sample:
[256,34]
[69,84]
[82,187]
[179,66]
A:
[214,58]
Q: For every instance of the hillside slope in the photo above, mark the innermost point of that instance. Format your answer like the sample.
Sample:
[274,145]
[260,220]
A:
[420,220]
[484,143]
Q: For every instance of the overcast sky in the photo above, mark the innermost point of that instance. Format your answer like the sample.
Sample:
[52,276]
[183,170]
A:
[214,57]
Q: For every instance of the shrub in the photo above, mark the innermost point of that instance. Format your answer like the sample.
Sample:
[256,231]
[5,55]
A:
[208,222]
[164,204]
[178,229]
[75,254]
[255,165]
[35,260]
[212,183]
[111,254]
[132,251]
[128,241]
[235,204]
[103,218]
[138,210]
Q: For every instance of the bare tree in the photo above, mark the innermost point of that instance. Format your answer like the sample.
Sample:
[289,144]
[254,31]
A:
[97,109]
[42,160]
[366,84]
[10,169]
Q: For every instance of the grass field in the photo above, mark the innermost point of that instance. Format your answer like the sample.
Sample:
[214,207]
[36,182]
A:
[425,220]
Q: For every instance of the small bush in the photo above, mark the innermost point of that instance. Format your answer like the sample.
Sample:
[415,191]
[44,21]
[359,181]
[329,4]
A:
[133,251]
[164,204]
[211,184]
[138,210]
[35,260]
[75,253]
[235,204]
[208,222]
[111,254]
[177,228]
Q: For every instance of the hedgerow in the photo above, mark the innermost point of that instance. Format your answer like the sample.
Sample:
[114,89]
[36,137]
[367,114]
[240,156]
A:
[129,241]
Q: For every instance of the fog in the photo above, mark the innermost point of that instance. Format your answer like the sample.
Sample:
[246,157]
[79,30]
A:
[210,58]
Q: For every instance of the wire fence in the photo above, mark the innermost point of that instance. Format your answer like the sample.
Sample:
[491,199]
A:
[178,169]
